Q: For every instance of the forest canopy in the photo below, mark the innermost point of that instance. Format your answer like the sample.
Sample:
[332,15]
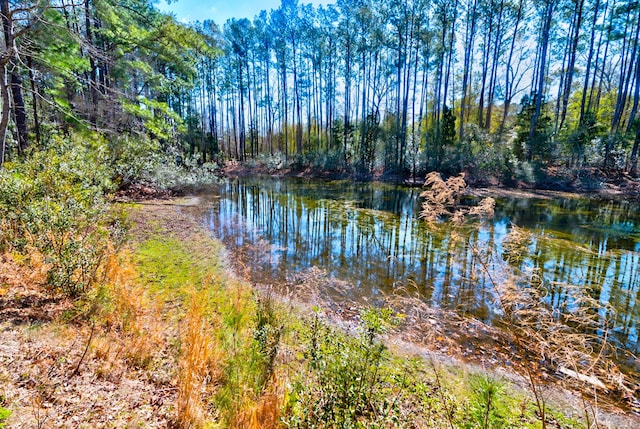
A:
[496,87]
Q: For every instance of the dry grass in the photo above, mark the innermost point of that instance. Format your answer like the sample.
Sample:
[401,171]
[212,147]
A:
[197,364]
[131,319]
[266,413]
[92,370]
[442,200]
[568,339]
[441,196]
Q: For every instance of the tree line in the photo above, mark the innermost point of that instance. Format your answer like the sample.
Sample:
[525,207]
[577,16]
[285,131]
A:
[417,85]
[399,86]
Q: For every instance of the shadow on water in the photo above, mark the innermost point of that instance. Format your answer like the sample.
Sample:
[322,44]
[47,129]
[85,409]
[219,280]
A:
[370,236]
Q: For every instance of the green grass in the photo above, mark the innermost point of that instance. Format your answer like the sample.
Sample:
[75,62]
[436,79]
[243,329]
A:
[169,265]
[4,415]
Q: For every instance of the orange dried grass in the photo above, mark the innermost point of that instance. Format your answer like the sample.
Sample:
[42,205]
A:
[197,365]
[266,413]
[131,315]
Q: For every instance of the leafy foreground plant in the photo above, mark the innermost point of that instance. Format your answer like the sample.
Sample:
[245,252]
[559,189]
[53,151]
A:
[54,212]
[344,384]
[354,382]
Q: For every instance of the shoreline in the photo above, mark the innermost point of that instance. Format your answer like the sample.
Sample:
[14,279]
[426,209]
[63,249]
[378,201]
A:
[449,341]
[624,188]
[563,393]
[139,364]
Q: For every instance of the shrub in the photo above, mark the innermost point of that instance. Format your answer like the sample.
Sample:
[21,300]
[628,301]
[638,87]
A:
[133,159]
[346,386]
[53,205]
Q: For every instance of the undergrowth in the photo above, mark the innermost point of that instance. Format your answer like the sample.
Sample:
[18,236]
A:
[168,309]
[53,212]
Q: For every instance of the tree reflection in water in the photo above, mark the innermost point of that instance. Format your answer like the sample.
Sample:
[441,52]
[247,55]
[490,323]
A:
[370,236]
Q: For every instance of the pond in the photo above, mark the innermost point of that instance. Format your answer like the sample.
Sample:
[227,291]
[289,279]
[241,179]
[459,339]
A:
[370,236]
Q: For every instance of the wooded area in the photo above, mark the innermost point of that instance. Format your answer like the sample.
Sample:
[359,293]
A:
[118,315]
[402,86]
[413,86]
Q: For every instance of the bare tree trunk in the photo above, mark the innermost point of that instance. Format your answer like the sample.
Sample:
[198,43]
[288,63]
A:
[34,95]
[16,80]
[469,39]
[636,96]
[634,154]
[509,74]
[587,73]
[625,73]
[573,49]
[6,111]
[497,46]
[92,64]
[542,65]
[19,110]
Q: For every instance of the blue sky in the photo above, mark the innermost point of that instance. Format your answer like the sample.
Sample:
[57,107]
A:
[221,10]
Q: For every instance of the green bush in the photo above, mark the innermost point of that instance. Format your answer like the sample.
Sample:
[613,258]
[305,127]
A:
[133,159]
[138,159]
[349,384]
[53,204]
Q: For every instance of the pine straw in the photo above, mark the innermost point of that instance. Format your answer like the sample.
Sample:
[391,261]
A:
[23,297]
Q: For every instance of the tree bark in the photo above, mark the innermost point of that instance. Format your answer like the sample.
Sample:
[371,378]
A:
[16,80]
[6,111]
[92,64]
[587,73]
[542,65]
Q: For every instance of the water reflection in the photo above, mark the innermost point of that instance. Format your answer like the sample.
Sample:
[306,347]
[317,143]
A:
[370,235]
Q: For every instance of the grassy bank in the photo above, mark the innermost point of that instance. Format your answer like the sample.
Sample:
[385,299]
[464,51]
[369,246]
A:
[246,360]
[152,329]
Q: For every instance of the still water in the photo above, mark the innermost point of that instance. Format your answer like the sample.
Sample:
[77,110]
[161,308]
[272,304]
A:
[370,235]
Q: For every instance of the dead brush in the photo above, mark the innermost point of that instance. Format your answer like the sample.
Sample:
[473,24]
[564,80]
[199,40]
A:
[197,363]
[13,270]
[516,245]
[442,200]
[569,338]
[126,311]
